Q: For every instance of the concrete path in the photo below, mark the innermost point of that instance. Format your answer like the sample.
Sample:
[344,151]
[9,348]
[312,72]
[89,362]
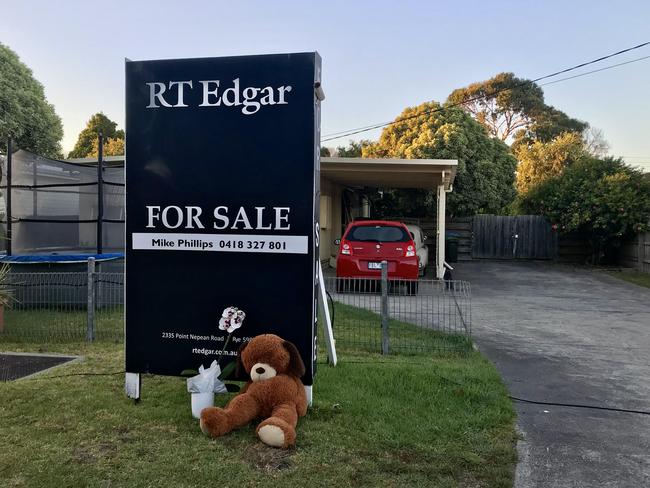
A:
[569,335]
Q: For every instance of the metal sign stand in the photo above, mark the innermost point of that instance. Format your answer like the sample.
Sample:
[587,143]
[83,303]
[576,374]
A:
[329,332]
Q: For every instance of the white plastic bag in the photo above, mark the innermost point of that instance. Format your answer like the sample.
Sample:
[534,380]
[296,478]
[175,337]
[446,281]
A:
[207,381]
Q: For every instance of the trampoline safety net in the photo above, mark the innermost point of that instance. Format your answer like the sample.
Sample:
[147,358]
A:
[55,207]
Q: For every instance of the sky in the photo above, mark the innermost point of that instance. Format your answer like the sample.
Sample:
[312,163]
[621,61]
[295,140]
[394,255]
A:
[378,57]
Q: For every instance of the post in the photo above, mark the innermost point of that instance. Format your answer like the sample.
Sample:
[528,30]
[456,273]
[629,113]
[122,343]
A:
[329,333]
[100,192]
[8,196]
[132,385]
[440,246]
[640,253]
[90,326]
[35,189]
[385,340]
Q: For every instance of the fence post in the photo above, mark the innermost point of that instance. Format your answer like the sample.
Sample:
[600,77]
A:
[640,252]
[90,328]
[385,341]
[100,193]
[9,215]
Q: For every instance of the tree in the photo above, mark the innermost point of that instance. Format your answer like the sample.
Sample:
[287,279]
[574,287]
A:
[112,147]
[88,136]
[25,114]
[547,125]
[601,198]
[595,143]
[486,168]
[353,149]
[514,108]
[540,161]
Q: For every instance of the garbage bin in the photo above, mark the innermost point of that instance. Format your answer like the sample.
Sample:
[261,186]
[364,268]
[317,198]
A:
[451,247]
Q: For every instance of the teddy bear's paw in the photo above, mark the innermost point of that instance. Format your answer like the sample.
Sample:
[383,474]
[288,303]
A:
[275,432]
[271,435]
[214,422]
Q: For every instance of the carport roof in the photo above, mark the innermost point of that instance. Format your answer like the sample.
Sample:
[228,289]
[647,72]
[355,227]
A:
[390,173]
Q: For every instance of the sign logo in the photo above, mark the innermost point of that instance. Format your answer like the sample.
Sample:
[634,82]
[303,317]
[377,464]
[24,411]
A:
[251,99]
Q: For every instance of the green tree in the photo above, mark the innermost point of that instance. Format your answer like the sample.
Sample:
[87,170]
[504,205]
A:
[353,150]
[112,147]
[88,136]
[601,198]
[486,168]
[25,114]
[539,160]
[512,108]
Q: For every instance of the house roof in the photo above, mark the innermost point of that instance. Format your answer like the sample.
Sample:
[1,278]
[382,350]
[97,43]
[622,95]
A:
[384,173]
[390,173]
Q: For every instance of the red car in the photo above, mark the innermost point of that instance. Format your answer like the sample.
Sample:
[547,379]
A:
[366,243]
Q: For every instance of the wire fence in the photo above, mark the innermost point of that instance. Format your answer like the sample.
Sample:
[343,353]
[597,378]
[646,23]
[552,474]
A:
[401,316]
[64,307]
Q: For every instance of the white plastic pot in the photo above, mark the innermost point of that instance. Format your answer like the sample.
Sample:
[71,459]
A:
[201,401]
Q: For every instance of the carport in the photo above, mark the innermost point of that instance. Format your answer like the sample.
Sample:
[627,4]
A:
[339,174]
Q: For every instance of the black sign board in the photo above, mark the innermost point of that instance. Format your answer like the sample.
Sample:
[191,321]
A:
[222,194]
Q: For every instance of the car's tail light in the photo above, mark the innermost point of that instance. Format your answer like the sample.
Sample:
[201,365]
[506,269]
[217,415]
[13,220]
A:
[410,251]
[346,249]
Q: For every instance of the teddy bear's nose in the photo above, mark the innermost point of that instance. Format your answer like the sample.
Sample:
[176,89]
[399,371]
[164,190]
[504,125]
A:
[260,370]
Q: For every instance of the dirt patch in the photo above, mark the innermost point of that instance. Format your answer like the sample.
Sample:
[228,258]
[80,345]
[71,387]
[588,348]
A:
[268,459]
[91,454]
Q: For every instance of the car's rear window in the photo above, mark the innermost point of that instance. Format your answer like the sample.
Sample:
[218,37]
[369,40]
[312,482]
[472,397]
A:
[378,233]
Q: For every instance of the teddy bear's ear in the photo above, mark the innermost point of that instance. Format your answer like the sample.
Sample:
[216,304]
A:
[240,369]
[296,366]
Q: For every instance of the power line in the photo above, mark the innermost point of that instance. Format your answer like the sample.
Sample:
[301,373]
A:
[595,71]
[341,134]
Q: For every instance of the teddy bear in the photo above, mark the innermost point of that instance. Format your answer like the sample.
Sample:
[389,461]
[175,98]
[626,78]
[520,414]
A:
[274,393]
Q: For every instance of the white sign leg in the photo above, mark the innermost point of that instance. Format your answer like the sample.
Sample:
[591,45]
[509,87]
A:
[132,385]
[329,333]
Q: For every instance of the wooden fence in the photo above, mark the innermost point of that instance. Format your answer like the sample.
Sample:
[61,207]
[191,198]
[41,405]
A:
[636,253]
[461,227]
[572,248]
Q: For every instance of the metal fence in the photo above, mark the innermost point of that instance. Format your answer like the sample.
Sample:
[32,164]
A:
[401,316]
[64,307]
[388,316]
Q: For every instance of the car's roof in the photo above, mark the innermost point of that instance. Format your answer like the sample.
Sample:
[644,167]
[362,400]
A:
[377,222]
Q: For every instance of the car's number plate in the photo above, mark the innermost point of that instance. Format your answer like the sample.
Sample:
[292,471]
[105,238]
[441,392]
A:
[372,265]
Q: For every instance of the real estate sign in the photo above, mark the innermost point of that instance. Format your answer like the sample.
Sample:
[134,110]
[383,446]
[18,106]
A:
[222,192]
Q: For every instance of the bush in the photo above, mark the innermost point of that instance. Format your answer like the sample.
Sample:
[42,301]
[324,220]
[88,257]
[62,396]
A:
[601,198]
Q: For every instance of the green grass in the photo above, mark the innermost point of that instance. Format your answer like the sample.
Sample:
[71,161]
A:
[636,277]
[357,329]
[389,421]
[43,325]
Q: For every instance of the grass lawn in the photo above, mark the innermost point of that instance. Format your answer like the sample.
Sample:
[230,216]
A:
[636,277]
[358,330]
[391,421]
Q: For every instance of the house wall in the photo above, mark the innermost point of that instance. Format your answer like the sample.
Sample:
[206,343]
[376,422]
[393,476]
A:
[330,219]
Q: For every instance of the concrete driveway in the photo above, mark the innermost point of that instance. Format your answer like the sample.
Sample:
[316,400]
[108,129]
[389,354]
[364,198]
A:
[568,335]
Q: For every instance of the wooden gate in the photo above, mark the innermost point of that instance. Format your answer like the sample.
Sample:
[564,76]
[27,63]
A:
[517,237]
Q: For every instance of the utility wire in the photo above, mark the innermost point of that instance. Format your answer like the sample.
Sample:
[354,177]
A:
[341,134]
[577,405]
[595,71]
[73,374]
